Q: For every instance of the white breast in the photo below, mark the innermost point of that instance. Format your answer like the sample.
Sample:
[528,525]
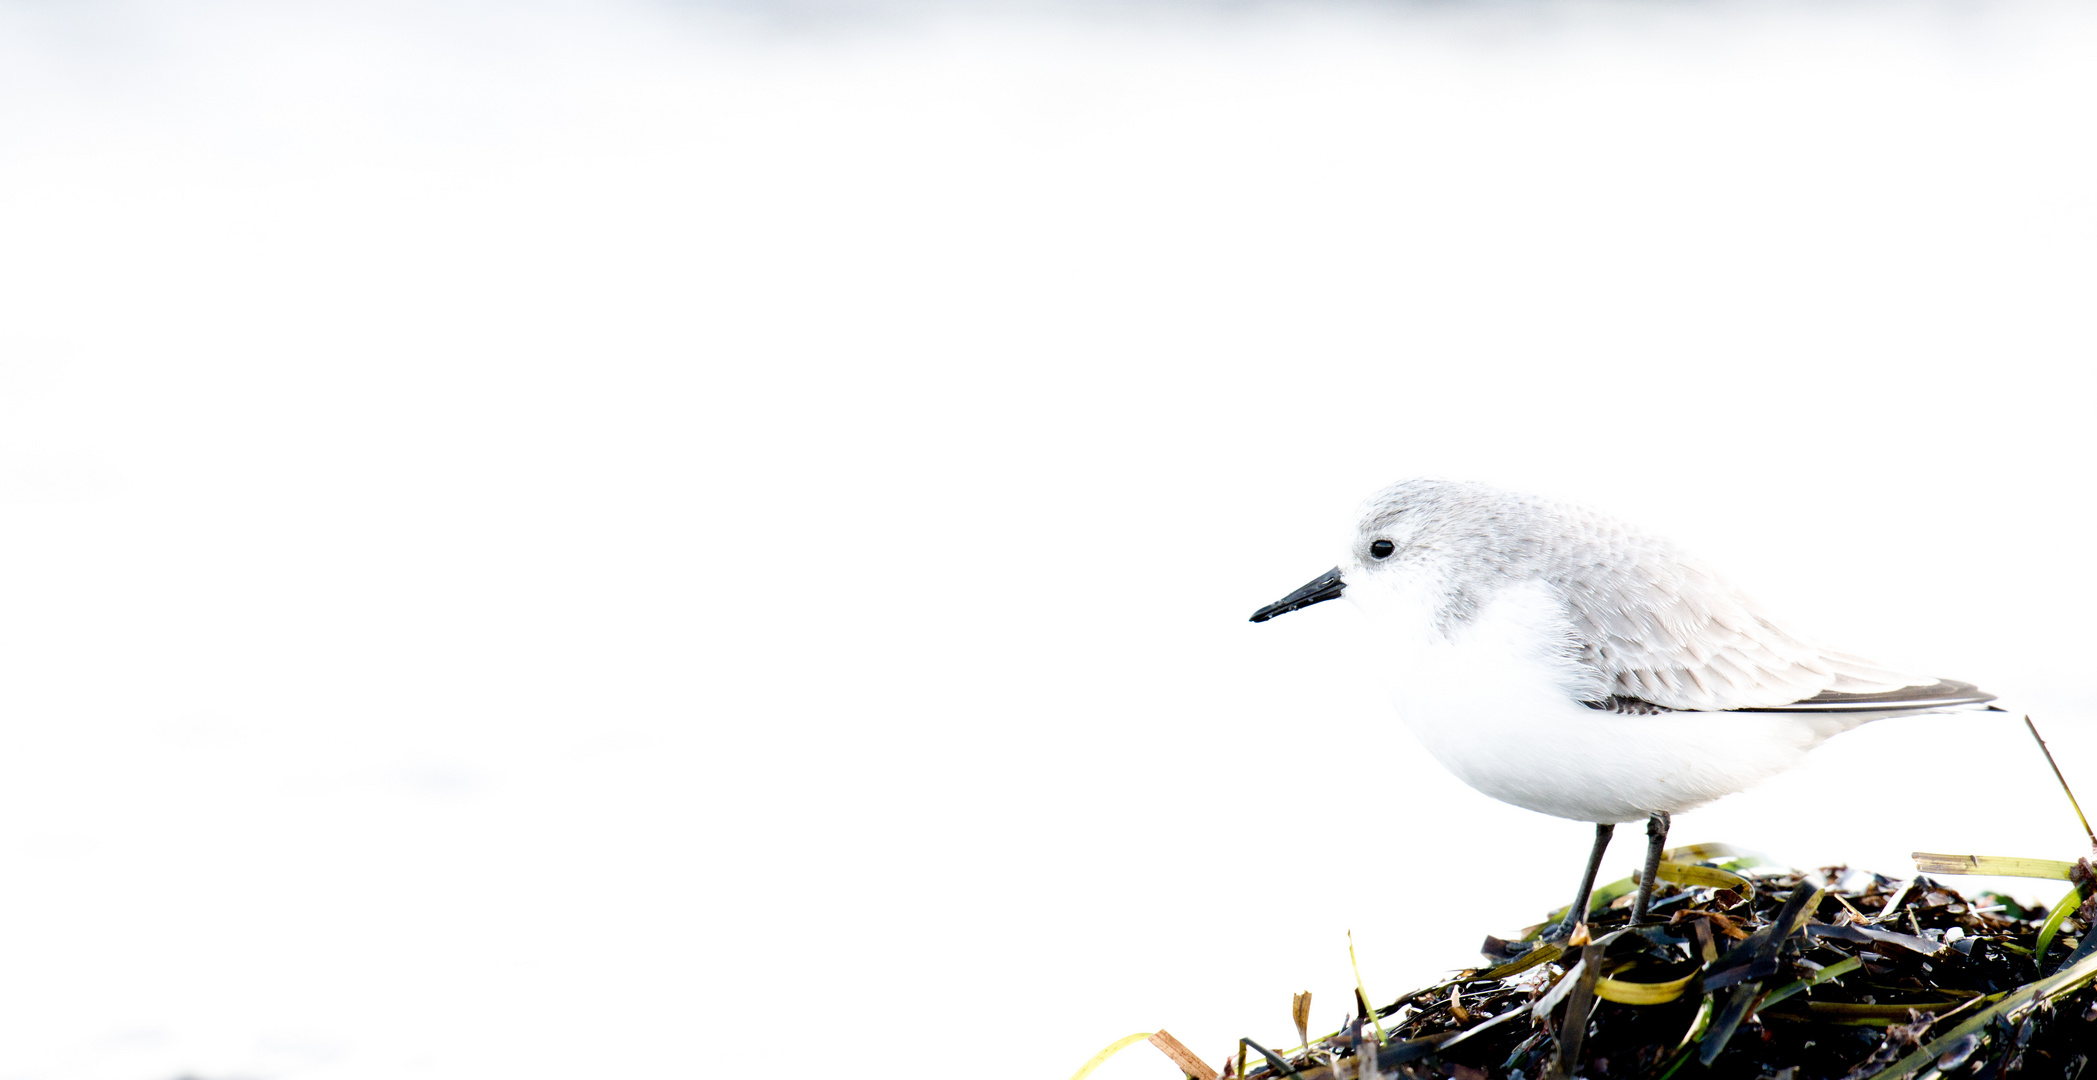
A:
[1498,701]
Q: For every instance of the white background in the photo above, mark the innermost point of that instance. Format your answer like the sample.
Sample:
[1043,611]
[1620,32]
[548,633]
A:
[629,540]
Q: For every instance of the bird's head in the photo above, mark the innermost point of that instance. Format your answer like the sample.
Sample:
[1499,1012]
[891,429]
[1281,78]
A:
[1407,535]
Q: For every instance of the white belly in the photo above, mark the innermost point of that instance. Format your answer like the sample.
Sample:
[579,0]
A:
[1498,703]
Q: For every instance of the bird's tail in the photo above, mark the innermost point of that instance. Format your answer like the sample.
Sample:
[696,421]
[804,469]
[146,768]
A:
[1838,712]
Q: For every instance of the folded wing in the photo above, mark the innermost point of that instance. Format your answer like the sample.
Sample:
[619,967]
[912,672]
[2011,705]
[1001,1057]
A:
[1656,627]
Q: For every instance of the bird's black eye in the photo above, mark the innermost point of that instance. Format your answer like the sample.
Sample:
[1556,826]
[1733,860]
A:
[1382,549]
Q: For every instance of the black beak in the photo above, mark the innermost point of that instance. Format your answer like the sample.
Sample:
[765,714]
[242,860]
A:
[1325,588]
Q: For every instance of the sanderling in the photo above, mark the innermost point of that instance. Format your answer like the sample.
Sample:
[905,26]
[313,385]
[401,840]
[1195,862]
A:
[1558,660]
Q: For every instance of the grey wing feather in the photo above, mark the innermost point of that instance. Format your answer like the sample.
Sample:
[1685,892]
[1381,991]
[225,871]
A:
[1658,627]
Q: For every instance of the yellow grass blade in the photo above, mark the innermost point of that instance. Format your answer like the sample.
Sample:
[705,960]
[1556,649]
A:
[1374,1020]
[1929,862]
[1637,993]
[1843,1012]
[1523,962]
[1707,876]
[1696,853]
[1116,1047]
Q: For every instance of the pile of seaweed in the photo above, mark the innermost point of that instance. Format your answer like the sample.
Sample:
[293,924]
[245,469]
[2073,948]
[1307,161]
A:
[1746,971]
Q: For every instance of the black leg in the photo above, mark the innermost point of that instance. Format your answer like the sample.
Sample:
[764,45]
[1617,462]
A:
[1656,839]
[1576,914]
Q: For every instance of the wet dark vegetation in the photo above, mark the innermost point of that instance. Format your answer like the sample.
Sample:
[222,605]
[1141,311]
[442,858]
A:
[1746,972]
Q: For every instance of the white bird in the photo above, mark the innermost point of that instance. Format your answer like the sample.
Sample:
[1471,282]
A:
[1558,660]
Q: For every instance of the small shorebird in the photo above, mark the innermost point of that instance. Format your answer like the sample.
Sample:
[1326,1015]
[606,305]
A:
[1558,660]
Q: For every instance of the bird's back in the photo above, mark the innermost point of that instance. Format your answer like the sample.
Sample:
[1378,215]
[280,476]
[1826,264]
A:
[1656,629]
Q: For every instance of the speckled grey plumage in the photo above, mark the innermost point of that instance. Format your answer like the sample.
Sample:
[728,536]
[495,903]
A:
[1653,624]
